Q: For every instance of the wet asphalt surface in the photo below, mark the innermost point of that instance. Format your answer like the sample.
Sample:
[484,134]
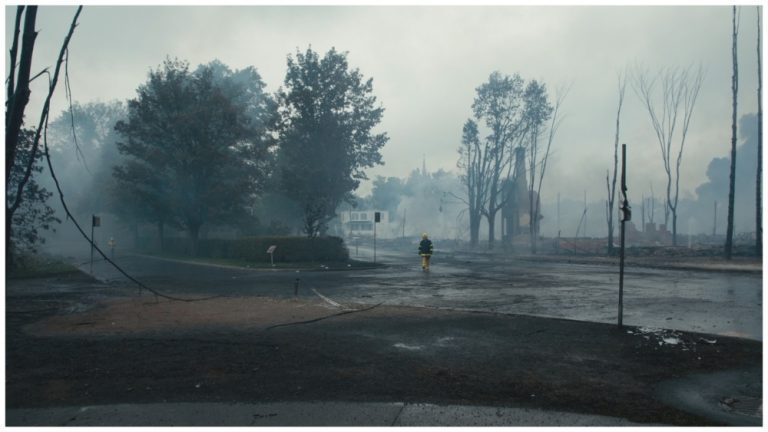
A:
[724,303]
[435,356]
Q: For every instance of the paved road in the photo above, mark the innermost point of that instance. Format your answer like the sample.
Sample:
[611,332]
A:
[710,302]
[315,414]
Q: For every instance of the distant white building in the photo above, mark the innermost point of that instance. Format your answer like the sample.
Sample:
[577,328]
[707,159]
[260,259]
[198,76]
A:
[360,223]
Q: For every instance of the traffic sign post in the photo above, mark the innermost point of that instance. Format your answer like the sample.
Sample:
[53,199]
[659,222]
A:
[95,221]
[271,252]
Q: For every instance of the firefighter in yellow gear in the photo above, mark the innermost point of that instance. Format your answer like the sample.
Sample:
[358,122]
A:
[425,250]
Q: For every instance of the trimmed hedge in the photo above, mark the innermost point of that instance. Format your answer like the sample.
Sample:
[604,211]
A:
[254,249]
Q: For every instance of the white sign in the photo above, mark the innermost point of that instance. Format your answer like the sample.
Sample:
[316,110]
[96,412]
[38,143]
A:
[271,249]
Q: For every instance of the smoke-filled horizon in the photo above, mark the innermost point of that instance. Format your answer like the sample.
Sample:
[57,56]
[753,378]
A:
[426,63]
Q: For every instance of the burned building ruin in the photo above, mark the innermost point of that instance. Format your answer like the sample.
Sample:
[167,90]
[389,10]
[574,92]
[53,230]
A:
[518,201]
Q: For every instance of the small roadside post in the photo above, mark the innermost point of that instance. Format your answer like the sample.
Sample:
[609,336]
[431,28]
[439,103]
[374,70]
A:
[626,215]
[271,252]
[95,221]
[376,219]
[112,248]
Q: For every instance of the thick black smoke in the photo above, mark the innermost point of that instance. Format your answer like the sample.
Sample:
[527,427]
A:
[715,189]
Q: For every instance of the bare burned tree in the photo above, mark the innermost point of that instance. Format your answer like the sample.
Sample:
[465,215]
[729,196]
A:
[537,111]
[611,184]
[18,98]
[554,125]
[499,104]
[474,162]
[758,181]
[732,180]
[670,98]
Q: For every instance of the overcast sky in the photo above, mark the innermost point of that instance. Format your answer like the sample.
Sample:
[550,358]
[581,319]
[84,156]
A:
[427,61]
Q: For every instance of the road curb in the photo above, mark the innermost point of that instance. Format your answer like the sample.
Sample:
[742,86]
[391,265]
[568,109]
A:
[302,414]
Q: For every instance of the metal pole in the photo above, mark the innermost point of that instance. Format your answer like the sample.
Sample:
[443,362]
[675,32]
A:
[558,214]
[624,218]
[374,241]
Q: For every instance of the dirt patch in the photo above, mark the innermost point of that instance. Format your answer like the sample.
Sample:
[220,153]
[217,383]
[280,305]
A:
[141,315]
[220,350]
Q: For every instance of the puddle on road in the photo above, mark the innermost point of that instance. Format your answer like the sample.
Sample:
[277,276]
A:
[441,342]
[408,347]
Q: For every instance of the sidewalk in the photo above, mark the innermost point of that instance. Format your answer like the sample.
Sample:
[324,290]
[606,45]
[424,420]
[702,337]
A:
[302,414]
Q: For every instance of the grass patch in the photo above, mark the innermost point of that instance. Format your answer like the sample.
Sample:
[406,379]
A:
[37,266]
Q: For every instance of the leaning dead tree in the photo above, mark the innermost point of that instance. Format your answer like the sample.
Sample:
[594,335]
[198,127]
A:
[611,184]
[18,88]
[670,98]
[732,178]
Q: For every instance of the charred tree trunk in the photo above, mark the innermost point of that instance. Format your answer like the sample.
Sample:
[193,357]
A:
[194,236]
[732,184]
[491,227]
[532,224]
[18,97]
[674,228]
[474,229]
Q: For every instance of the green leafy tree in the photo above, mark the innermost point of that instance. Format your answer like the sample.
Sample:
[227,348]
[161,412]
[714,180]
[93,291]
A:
[196,144]
[83,147]
[387,193]
[328,113]
[33,214]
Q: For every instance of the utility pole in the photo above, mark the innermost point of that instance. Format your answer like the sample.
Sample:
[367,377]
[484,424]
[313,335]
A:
[732,177]
[758,189]
[625,216]
[714,224]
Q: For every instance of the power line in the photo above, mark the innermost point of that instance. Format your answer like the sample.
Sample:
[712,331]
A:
[79,228]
